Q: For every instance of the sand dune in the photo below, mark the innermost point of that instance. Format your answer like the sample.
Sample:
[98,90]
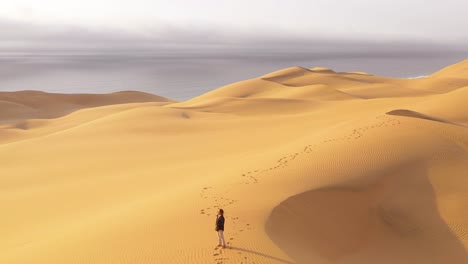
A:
[458,71]
[310,165]
[35,104]
[413,114]
[448,105]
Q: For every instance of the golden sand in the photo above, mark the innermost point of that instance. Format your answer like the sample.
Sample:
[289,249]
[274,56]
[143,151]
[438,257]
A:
[310,166]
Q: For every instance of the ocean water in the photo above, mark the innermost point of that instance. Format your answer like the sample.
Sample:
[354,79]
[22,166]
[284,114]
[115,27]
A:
[181,77]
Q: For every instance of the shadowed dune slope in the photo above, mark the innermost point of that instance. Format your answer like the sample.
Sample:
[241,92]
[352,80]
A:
[409,113]
[399,208]
[310,166]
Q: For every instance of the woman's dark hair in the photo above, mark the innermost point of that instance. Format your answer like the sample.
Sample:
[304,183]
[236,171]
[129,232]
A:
[221,211]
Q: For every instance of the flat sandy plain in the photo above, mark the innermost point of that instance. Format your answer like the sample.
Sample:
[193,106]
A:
[310,166]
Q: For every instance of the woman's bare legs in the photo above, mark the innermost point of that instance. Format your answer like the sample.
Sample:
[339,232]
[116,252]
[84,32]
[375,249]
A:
[221,238]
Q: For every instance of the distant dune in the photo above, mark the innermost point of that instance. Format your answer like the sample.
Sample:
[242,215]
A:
[36,104]
[310,166]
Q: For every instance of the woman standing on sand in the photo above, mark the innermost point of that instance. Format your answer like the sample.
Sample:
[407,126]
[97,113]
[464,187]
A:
[220,228]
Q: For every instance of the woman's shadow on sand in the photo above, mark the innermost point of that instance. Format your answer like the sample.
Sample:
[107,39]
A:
[262,255]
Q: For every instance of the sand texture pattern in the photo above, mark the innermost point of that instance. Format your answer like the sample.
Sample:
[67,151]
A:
[310,165]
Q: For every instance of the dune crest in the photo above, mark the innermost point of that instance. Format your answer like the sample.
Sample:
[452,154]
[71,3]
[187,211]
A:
[413,114]
[322,70]
[458,70]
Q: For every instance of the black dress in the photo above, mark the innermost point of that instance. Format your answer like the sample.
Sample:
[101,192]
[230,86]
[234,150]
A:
[220,223]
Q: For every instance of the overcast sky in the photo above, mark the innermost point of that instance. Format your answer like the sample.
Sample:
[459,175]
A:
[135,24]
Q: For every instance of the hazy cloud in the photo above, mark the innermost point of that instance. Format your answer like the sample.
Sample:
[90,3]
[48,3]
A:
[28,37]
